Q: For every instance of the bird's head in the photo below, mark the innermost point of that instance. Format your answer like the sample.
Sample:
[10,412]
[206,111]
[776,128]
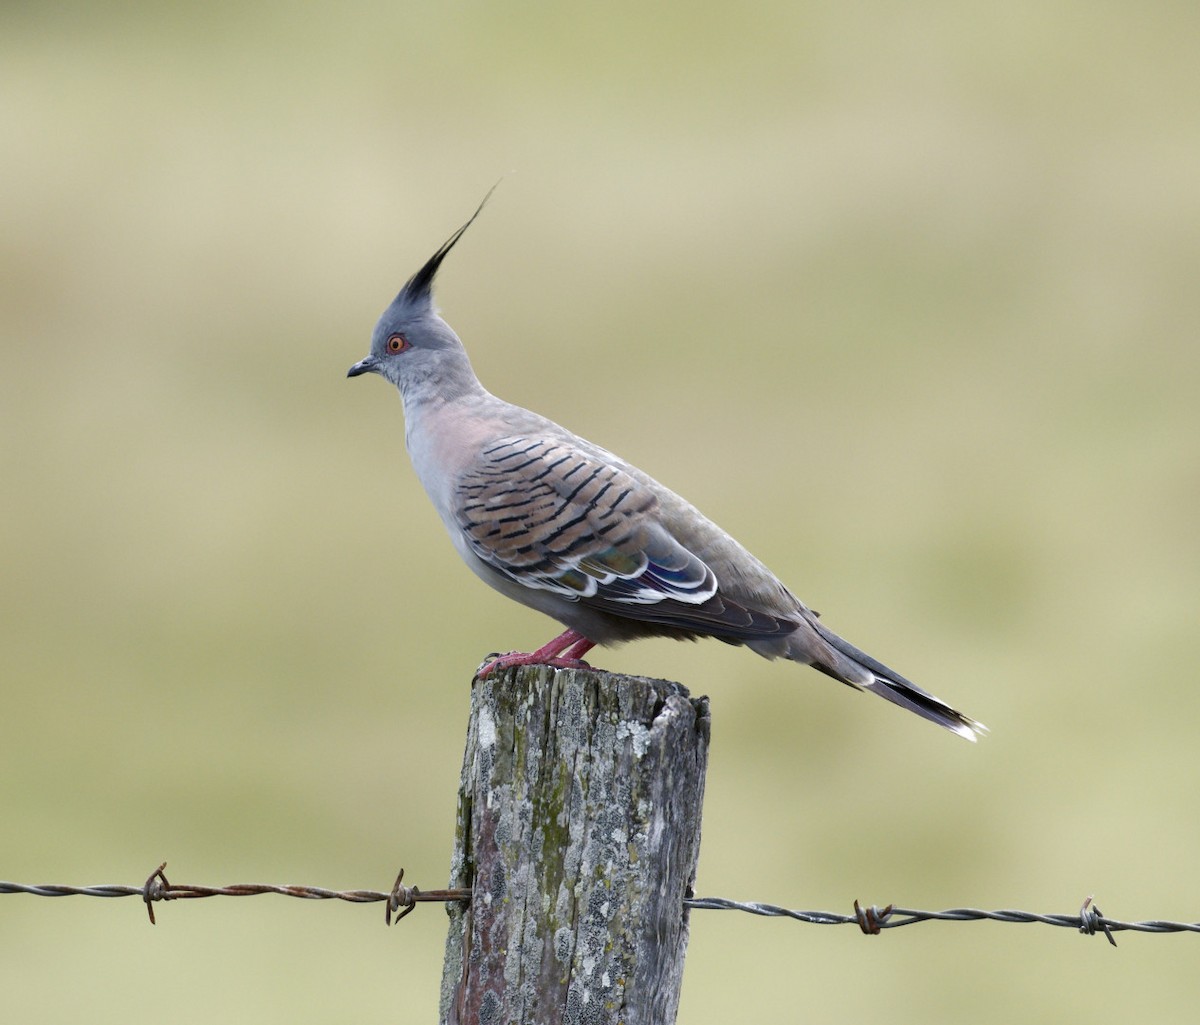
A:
[411,344]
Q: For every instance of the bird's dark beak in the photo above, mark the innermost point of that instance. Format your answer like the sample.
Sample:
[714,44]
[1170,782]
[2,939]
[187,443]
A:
[364,366]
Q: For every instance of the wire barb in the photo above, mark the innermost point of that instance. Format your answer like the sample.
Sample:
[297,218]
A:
[156,888]
[401,897]
[872,920]
[1091,918]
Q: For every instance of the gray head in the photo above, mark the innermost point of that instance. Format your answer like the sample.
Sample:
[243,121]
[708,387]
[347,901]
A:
[412,346]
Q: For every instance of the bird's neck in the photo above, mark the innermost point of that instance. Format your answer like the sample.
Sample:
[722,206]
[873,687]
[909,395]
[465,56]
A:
[447,380]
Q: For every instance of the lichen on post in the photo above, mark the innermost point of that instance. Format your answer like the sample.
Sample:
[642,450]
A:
[578,832]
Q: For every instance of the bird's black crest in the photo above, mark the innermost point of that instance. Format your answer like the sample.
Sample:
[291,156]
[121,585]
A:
[420,285]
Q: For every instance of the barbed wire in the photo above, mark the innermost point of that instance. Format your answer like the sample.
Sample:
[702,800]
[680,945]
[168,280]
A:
[874,919]
[401,899]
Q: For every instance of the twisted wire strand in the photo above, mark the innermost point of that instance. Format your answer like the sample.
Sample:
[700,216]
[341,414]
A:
[873,919]
[402,899]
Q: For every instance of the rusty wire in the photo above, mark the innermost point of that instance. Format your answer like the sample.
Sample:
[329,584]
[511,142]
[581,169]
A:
[401,900]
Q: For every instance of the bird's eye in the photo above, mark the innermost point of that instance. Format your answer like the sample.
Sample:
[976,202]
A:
[397,343]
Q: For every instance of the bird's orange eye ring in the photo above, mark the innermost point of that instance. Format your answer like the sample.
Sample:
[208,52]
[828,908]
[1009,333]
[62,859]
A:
[397,343]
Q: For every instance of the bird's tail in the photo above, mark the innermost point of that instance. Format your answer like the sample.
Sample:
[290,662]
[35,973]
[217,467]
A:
[855,667]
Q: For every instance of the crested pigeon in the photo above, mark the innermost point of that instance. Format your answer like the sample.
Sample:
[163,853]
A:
[572,530]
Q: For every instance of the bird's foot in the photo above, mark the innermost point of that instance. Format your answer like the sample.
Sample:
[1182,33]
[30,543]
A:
[561,653]
[526,658]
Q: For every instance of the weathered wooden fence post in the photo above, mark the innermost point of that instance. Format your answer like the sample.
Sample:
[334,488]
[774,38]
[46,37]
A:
[578,832]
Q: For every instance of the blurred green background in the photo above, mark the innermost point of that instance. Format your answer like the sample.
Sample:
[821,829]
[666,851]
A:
[903,295]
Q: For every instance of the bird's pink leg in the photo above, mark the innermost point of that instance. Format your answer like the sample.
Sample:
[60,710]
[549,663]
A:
[564,652]
[580,648]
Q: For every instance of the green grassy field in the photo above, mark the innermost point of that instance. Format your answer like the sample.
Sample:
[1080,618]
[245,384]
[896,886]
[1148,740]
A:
[905,297]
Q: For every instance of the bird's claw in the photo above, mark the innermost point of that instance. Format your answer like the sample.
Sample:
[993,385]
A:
[487,665]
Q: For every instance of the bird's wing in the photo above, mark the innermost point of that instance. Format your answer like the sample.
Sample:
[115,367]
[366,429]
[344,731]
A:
[551,516]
